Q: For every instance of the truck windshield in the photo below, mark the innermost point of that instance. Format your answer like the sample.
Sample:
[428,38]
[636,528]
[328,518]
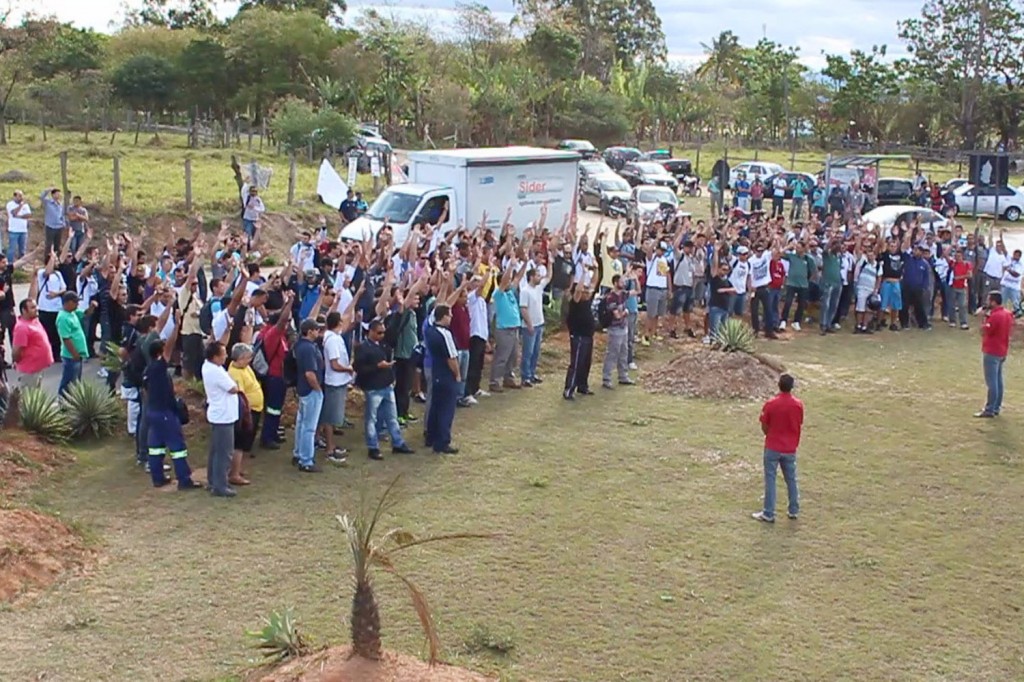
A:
[397,207]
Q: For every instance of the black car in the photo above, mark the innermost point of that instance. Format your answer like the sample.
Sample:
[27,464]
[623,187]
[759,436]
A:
[791,178]
[648,173]
[584,148]
[592,167]
[894,191]
[617,157]
[678,168]
[600,190]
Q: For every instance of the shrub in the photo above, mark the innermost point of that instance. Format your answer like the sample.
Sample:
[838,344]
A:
[112,360]
[42,415]
[734,336]
[483,638]
[91,409]
[280,638]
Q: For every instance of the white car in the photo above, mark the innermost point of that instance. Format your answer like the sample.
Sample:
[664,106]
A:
[761,169]
[645,200]
[1011,201]
[884,217]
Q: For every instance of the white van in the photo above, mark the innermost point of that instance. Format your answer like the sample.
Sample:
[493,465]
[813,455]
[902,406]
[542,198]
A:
[472,181]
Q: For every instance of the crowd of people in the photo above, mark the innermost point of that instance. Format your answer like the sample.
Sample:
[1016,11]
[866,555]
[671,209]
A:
[413,322]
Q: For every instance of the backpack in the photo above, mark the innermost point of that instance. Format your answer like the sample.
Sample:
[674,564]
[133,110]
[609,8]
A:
[206,318]
[291,368]
[604,314]
[260,363]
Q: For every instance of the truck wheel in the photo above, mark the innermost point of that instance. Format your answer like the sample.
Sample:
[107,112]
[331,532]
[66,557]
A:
[1012,214]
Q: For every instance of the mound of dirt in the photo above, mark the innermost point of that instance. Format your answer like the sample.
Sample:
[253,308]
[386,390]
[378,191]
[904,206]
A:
[338,665]
[15,176]
[35,550]
[699,372]
[24,458]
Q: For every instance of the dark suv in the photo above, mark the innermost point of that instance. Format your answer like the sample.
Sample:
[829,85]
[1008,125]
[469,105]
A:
[617,157]
[894,191]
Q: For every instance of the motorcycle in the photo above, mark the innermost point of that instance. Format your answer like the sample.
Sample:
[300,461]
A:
[691,185]
[617,208]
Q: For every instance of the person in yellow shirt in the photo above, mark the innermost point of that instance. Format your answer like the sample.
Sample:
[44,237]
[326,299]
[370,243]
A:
[247,425]
[611,265]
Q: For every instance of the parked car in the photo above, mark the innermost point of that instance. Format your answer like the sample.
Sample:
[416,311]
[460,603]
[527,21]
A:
[599,191]
[791,178]
[584,148]
[761,169]
[656,155]
[646,199]
[887,216]
[1011,201]
[592,167]
[679,168]
[648,173]
[368,141]
[953,184]
[895,191]
[617,157]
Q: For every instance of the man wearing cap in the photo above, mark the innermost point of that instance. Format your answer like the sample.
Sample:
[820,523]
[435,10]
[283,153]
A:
[656,297]
[739,278]
[916,275]
[74,349]
[309,386]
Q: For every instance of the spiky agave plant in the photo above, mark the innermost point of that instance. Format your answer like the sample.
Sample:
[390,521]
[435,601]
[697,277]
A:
[92,409]
[369,552]
[41,414]
[734,336]
[111,359]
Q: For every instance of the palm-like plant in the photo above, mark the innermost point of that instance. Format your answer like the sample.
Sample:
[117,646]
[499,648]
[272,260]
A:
[92,409]
[41,414]
[369,552]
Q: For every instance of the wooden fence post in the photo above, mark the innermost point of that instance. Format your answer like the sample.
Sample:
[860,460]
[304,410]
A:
[64,178]
[117,186]
[188,185]
[291,179]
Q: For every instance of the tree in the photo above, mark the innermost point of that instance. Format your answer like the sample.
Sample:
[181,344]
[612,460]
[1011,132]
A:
[297,124]
[964,44]
[173,14]
[145,83]
[67,50]
[325,9]
[865,89]
[724,62]
[16,43]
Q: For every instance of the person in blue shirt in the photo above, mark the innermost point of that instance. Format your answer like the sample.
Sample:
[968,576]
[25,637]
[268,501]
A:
[743,193]
[349,209]
[309,363]
[917,274]
[361,206]
[445,378]
[507,323]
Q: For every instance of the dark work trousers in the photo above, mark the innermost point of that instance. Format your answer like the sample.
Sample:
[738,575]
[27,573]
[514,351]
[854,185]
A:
[274,390]
[142,430]
[845,298]
[405,371]
[92,321]
[758,307]
[801,303]
[475,372]
[444,394]
[581,352]
[49,322]
[7,322]
[915,300]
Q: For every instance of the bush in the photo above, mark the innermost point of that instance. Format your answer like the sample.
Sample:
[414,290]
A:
[41,414]
[280,638]
[91,409]
[734,336]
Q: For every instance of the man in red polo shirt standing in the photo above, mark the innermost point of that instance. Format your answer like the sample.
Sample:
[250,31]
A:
[995,344]
[781,420]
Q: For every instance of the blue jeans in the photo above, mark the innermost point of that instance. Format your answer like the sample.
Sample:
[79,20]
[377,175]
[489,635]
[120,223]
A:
[829,303]
[71,371]
[380,404]
[771,313]
[15,245]
[1011,297]
[76,240]
[463,370]
[531,352]
[993,366]
[305,427]
[716,316]
[772,461]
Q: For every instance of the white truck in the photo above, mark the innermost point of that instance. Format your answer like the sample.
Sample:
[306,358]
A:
[473,181]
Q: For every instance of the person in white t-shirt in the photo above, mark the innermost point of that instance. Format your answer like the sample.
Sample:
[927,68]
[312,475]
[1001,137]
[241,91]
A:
[760,281]
[995,265]
[18,212]
[779,186]
[656,298]
[739,278]
[531,314]
[221,414]
[338,376]
[1009,283]
[49,289]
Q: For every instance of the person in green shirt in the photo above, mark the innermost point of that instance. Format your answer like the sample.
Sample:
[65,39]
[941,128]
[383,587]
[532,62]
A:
[715,191]
[796,212]
[801,266]
[831,284]
[73,349]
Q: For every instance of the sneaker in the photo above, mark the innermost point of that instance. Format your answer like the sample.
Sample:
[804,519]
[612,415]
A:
[633,366]
[470,400]
[102,373]
[823,332]
[608,386]
[626,382]
[952,325]
[645,342]
[227,492]
[761,516]
[402,450]
[321,444]
[964,326]
[782,326]
[463,402]
[796,326]
[448,451]
[375,454]
[858,329]
[338,456]
[690,334]
[310,469]
[537,380]
[793,516]
[893,328]
[270,446]
[420,398]
[496,388]
[837,327]
[568,396]
[706,340]
[984,415]
[482,394]
[411,419]
[526,384]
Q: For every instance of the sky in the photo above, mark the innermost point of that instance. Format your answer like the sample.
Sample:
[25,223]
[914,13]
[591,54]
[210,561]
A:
[815,27]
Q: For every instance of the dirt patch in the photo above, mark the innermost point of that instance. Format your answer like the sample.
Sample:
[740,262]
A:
[338,665]
[36,550]
[23,458]
[699,372]
[15,176]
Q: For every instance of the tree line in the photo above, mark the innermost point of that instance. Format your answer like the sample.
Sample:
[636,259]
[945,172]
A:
[594,69]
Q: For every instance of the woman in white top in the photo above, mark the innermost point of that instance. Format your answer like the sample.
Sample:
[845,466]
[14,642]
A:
[221,414]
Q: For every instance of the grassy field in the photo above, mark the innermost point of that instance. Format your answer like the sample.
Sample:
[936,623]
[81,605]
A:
[627,551]
[152,174]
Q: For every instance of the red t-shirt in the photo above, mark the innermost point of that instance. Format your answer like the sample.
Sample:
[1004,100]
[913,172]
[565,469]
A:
[275,347]
[995,339]
[778,272]
[459,326]
[961,269]
[783,416]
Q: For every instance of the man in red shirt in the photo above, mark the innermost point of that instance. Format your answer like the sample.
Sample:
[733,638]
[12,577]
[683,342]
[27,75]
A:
[781,420]
[995,344]
[962,273]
